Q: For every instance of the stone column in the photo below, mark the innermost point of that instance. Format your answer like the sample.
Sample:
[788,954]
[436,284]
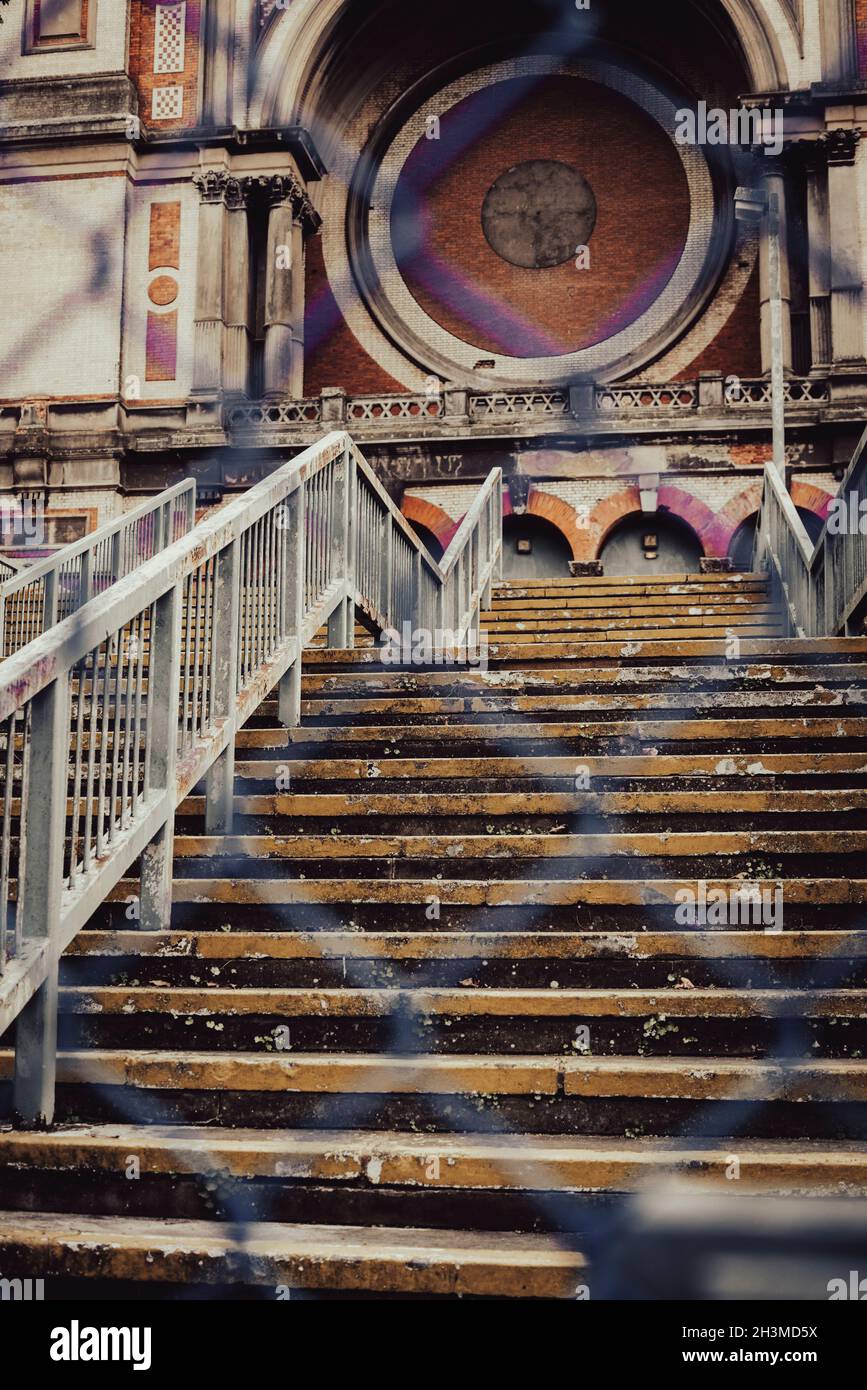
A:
[776,188]
[236,285]
[290,216]
[279,260]
[847,276]
[208,355]
[819,252]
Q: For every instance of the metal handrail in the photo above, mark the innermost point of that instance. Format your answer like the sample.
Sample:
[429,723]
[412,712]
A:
[111,717]
[47,592]
[823,587]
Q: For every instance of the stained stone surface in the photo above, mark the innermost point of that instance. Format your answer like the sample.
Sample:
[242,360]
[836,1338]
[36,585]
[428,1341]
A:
[536,214]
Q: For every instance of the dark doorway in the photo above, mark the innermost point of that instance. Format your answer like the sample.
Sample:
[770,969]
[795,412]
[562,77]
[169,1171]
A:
[533,548]
[744,539]
[428,539]
[658,544]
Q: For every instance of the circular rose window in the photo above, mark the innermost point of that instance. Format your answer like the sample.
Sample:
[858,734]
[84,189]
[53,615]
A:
[480,201]
[538,214]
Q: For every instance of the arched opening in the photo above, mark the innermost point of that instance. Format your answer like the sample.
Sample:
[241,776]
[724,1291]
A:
[533,548]
[428,539]
[744,539]
[658,544]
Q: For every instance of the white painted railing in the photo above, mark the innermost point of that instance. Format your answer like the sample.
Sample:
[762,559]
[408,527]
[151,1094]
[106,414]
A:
[822,588]
[47,592]
[109,718]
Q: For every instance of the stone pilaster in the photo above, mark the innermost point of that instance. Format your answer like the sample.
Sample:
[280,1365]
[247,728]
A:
[236,293]
[290,216]
[212,185]
[847,275]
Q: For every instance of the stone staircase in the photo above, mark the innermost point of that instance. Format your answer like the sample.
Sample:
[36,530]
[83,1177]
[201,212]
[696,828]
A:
[430,1011]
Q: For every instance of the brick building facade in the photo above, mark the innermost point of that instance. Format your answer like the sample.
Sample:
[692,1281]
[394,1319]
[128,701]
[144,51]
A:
[230,227]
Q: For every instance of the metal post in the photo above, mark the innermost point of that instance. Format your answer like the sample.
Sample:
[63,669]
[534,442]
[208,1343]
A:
[164,683]
[389,570]
[220,781]
[338,625]
[777,363]
[289,692]
[42,838]
[50,599]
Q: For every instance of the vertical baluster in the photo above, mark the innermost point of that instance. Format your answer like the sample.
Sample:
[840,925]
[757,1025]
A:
[40,887]
[117,737]
[6,844]
[78,674]
[219,786]
[91,759]
[289,695]
[162,741]
[197,654]
[101,828]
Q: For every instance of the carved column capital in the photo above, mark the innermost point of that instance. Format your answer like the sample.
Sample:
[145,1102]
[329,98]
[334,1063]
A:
[841,146]
[280,189]
[212,185]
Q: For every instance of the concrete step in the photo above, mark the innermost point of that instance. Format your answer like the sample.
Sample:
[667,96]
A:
[289,1257]
[616,960]
[521,1161]
[682,1021]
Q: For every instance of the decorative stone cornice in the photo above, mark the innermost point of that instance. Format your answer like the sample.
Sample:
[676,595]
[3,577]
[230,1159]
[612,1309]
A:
[841,146]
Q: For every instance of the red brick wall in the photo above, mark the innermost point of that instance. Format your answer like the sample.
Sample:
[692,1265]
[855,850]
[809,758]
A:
[861,21]
[737,348]
[642,216]
[141,62]
[333,355]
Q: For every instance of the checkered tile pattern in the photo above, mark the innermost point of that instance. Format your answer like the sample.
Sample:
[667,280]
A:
[167,103]
[169,34]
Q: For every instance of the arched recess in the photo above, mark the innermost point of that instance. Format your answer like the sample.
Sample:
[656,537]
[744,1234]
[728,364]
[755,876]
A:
[429,540]
[420,512]
[549,550]
[742,543]
[809,498]
[560,515]
[673,501]
[290,58]
[677,548]
[769,42]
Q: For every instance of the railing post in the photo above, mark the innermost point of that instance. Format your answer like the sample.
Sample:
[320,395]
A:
[220,780]
[341,631]
[289,691]
[85,583]
[164,686]
[41,885]
[50,599]
[114,563]
[388,570]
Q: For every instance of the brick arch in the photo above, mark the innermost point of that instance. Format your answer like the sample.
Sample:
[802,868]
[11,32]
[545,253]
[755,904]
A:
[604,518]
[673,500]
[429,515]
[812,499]
[560,515]
[736,511]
